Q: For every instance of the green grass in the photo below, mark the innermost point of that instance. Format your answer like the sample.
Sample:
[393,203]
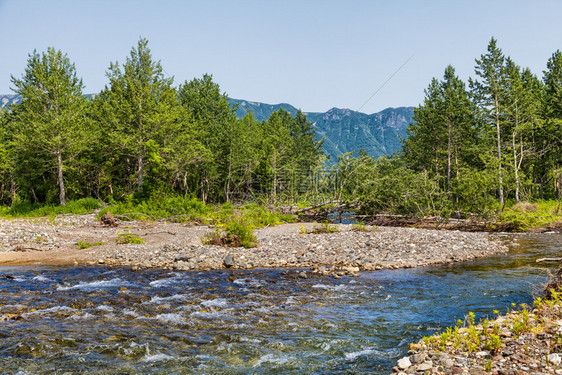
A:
[174,208]
[27,209]
[324,227]
[84,244]
[185,210]
[127,237]
[87,244]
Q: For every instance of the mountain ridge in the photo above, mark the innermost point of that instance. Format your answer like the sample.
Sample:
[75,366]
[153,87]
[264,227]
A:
[345,130]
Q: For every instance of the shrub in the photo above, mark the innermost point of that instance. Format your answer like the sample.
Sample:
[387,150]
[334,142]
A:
[84,244]
[359,227]
[325,227]
[234,233]
[127,237]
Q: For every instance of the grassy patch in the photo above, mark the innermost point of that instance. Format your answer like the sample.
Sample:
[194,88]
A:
[84,244]
[173,208]
[128,237]
[27,209]
[361,227]
[324,227]
[178,209]
[87,244]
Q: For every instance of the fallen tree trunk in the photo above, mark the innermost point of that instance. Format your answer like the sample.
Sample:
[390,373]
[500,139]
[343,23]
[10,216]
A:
[549,260]
[315,206]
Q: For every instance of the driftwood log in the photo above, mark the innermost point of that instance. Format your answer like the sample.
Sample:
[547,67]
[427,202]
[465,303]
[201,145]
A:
[549,260]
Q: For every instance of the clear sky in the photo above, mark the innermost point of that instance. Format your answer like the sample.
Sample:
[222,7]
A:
[313,54]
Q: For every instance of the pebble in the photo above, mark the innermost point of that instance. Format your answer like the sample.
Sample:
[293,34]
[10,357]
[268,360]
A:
[554,358]
[424,367]
[404,363]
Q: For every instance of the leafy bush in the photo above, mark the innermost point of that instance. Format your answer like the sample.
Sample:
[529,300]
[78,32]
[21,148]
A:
[234,233]
[525,215]
[84,244]
[127,237]
[325,227]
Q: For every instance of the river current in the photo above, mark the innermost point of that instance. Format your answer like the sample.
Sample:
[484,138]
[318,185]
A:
[71,320]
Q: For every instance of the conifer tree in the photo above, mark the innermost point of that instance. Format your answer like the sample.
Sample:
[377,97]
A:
[138,111]
[50,117]
[490,94]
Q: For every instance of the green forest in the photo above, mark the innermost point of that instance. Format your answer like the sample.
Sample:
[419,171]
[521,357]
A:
[474,148]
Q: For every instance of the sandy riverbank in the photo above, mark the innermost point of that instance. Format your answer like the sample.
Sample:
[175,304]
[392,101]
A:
[178,246]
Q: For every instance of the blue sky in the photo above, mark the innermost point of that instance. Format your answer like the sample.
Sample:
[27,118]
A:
[312,54]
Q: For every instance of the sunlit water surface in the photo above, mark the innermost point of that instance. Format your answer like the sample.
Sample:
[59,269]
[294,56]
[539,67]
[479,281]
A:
[115,321]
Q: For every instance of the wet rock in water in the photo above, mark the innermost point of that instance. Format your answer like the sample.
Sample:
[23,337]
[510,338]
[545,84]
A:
[303,275]
[228,261]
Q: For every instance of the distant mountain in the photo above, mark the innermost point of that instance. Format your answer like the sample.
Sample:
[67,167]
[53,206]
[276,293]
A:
[7,100]
[343,130]
[261,111]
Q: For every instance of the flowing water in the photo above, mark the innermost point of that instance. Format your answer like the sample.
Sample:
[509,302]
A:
[68,320]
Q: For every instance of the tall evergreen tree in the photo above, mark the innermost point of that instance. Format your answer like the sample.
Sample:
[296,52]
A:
[455,110]
[138,111]
[426,136]
[552,140]
[490,93]
[50,117]
[215,119]
[522,117]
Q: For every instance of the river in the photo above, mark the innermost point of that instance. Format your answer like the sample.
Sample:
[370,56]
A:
[68,320]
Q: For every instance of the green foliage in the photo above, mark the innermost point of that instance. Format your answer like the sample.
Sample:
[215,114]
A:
[49,121]
[88,244]
[360,227]
[324,227]
[526,215]
[235,232]
[27,209]
[84,244]
[173,208]
[127,237]
[242,230]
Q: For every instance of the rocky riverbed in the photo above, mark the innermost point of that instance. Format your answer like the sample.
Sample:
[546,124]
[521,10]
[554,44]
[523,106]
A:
[179,246]
[518,343]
